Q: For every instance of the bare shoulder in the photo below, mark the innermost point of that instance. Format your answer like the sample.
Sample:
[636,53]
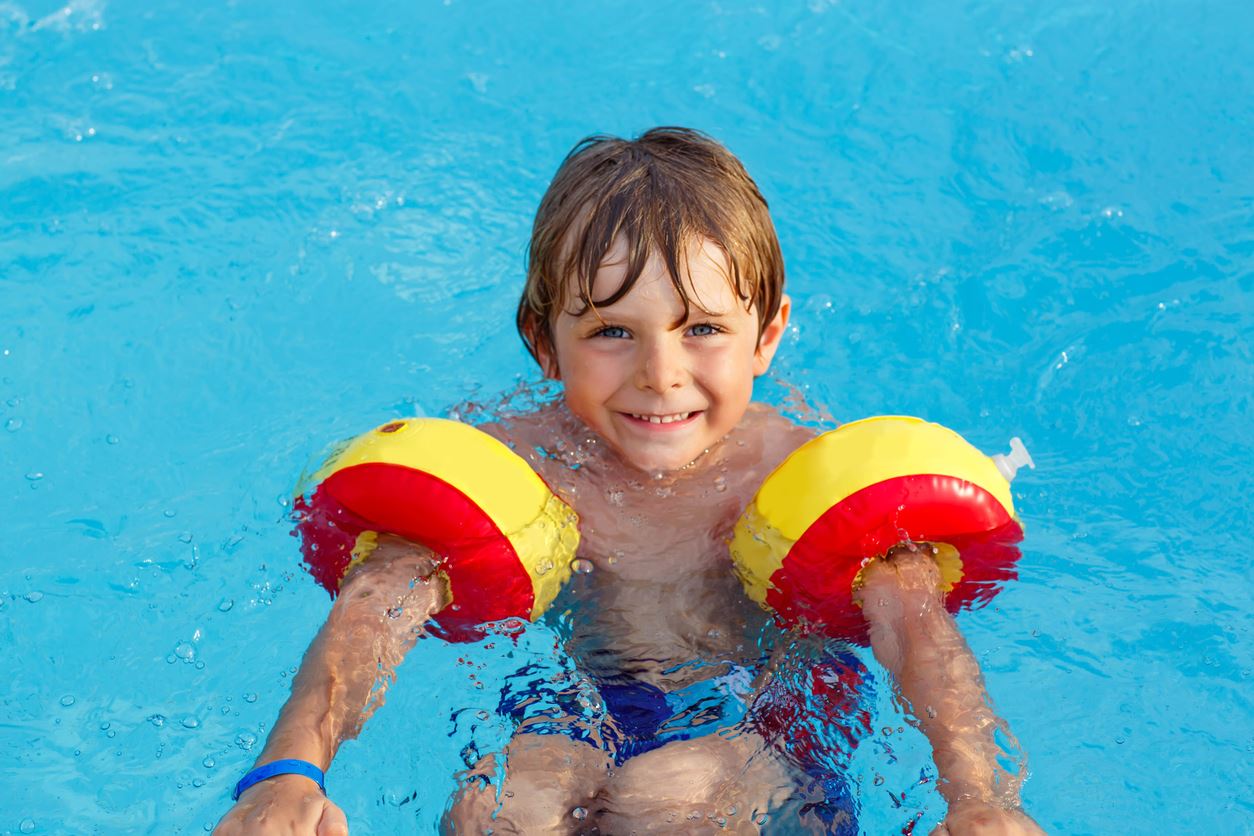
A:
[531,435]
[776,435]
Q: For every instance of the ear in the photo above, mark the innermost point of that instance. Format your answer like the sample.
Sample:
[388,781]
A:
[548,360]
[545,355]
[772,334]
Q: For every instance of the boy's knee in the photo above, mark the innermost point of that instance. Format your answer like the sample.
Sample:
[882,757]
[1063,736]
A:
[548,784]
[711,783]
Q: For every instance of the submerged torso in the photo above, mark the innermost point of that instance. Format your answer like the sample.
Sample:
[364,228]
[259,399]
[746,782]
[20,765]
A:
[654,597]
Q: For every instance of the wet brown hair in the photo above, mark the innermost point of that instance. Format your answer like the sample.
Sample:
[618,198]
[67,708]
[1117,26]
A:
[660,192]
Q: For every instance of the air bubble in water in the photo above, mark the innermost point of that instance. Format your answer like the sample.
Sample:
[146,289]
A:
[34,597]
[225,604]
[27,826]
[67,700]
[582,566]
[185,651]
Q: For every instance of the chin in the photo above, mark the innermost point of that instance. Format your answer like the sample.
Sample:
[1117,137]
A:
[661,461]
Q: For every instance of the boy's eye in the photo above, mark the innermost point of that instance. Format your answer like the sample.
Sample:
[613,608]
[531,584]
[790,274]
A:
[703,329]
[614,332]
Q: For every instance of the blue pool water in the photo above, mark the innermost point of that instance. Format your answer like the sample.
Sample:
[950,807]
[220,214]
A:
[231,233]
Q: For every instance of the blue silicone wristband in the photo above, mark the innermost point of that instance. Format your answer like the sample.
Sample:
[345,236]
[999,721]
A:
[287,766]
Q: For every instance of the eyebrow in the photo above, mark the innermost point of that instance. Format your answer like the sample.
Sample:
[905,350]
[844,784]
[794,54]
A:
[602,316]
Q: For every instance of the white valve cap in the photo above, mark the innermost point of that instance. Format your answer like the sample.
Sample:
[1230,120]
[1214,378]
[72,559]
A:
[1009,463]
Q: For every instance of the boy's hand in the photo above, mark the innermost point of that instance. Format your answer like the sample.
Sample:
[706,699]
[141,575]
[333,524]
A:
[907,568]
[286,805]
[979,818]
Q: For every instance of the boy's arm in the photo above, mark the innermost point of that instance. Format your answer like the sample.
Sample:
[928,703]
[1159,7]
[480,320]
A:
[917,640]
[376,619]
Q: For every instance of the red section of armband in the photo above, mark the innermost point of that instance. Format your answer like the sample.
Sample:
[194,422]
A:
[486,578]
[813,588]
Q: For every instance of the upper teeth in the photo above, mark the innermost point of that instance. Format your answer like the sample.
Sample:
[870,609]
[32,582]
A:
[661,419]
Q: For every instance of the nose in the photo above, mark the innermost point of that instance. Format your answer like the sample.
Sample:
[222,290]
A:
[661,366]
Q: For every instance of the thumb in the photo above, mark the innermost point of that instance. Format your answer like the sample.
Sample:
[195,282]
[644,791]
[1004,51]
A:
[333,821]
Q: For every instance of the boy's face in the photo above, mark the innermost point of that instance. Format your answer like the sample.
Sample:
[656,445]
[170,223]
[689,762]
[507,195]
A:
[661,395]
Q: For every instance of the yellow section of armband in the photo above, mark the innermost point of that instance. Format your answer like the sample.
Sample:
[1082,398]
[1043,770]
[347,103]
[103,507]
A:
[842,462]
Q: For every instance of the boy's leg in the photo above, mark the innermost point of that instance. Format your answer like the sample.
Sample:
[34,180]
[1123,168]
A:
[547,776]
[720,783]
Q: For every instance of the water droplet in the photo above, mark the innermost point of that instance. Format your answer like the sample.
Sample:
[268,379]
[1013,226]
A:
[190,722]
[250,697]
[185,651]
[104,726]
[579,813]
[157,720]
[245,740]
[879,781]
[169,513]
[27,826]
[887,731]
[34,476]
[198,782]
[67,700]
[34,597]
[185,537]
[543,568]
[582,566]
[225,604]
[208,762]
[111,439]
[13,424]
[1120,740]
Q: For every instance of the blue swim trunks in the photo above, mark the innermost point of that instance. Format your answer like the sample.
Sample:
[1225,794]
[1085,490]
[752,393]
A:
[810,712]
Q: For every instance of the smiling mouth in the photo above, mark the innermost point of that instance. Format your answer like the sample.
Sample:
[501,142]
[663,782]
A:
[673,418]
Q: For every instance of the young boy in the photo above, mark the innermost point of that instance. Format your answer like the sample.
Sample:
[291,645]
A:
[654,294]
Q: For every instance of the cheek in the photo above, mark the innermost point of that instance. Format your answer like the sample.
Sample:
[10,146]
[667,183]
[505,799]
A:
[730,377]
[588,379]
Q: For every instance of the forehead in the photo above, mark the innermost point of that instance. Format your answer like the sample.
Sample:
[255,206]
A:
[704,276]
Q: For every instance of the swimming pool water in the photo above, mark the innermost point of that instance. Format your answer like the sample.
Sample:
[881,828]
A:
[231,234]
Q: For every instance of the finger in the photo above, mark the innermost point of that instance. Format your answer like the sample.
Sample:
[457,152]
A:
[333,822]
